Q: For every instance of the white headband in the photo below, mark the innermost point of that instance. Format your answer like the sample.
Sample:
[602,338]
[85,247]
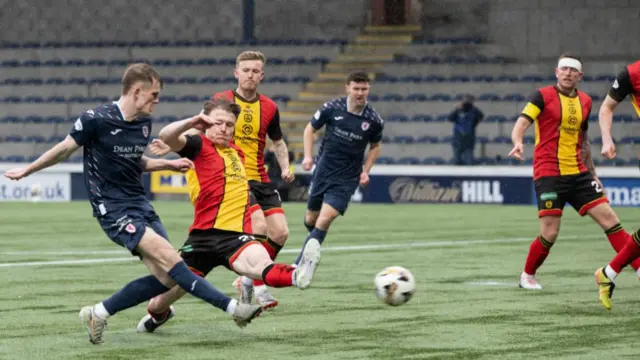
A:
[570,62]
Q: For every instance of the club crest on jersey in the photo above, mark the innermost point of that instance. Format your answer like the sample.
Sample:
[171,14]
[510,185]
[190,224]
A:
[130,228]
[365,126]
[145,131]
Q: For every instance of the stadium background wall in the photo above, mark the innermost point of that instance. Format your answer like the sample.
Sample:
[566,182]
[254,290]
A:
[389,184]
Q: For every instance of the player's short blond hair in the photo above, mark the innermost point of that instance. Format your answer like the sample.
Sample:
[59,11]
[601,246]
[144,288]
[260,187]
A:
[139,72]
[251,55]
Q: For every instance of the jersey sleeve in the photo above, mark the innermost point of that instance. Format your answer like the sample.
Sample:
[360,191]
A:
[85,128]
[320,118]
[274,131]
[192,148]
[534,107]
[621,86]
[377,136]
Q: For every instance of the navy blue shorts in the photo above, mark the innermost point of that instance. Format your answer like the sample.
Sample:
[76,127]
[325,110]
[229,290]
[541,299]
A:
[336,195]
[126,226]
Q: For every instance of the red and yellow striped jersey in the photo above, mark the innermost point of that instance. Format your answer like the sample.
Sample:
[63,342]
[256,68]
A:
[219,188]
[560,123]
[259,117]
[628,83]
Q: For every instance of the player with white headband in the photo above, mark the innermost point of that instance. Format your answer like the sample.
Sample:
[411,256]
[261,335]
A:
[563,170]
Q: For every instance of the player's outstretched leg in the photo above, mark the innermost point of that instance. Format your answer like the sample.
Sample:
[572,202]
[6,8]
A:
[605,276]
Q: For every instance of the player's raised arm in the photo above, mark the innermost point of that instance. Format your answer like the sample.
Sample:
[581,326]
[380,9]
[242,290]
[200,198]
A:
[174,133]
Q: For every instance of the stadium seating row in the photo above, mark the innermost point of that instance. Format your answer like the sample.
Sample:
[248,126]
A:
[300,60]
[165,79]
[222,42]
[381,79]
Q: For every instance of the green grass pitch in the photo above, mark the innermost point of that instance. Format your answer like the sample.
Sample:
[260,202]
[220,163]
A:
[466,260]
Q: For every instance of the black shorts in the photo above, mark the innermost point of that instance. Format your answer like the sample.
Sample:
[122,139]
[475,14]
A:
[581,191]
[267,197]
[205,250]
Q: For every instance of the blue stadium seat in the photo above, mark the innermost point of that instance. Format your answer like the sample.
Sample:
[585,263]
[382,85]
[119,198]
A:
[55,81]
[495,119]
[206,61]
[187,80]
[12,99]
[435,78]
[459,78]
[12,81]
[35,139]
[15,158]
[594,118]
[482,78]
[168,98]
[208,80]
[31,63]
[385,139]
[32,81]
[33,99]
[442,118]
[34,119]
[489,97]
[433,161]
[630,140]
[422,118]
[385,160]
[397,118]
[54,120]
[55,139]
[295,60]
[528,140]
[482,139]
[446,139]
[404,139]
[55,99]
[53,62]
[623,118]
[281,98]
[409,160]
[440,97]
[427,139]
[98,62]
[416,97]
[13,138]
[411,79]
[392,97]
[514,97]
[184,62]
[532,78]
[501,140]
[506,78]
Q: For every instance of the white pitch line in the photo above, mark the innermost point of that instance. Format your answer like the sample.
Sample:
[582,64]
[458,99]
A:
[416,244]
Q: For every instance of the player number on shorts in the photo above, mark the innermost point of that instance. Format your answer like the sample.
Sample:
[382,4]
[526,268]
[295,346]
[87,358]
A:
[596,186]
[245,238]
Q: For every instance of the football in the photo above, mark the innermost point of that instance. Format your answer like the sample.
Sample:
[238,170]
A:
[395,285]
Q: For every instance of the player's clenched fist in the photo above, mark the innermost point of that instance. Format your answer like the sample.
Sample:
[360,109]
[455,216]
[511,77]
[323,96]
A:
[307,163]
[201,122]
[608,150]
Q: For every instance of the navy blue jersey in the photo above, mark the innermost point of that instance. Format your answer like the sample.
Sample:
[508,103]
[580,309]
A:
[345,141]
[112,151]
